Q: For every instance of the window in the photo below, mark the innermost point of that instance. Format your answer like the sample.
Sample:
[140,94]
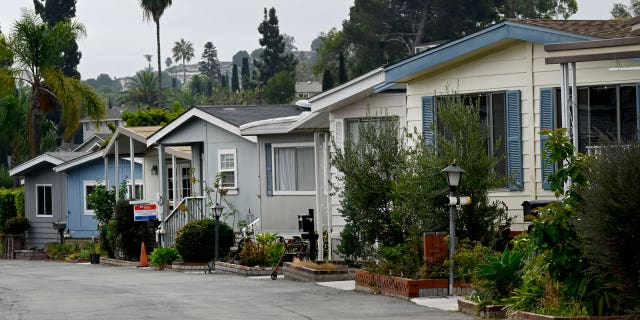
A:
[43,200]
[605,111]
[501,112]
[294,168]
[186,182]
[139,190]
[227,166]
[354,126]
[89,186]
[492,109]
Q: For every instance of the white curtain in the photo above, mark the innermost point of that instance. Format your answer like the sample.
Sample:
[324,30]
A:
[306,172]
[285,161]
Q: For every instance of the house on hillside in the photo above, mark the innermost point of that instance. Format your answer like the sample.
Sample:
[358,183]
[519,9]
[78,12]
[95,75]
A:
[213,135]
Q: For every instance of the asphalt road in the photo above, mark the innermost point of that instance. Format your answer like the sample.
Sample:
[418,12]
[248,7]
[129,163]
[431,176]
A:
[57,290]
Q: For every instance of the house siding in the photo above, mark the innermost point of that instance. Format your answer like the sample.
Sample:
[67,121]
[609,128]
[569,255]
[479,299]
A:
[279,213]
[41,231]
[83,225]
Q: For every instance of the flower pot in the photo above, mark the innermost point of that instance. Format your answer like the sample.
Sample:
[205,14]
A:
[94,258]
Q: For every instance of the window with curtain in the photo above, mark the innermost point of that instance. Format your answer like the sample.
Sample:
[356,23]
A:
[43,200]
[227,165]
[294,168]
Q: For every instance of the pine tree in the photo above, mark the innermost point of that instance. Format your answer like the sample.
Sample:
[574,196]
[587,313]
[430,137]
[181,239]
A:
[235,84]
[210,66]
[52,12]
[342,70]
[327,80]
[245,74]
[273,58]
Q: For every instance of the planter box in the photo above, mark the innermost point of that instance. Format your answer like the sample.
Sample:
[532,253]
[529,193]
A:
[488,312]
[521,315]
[225,267]
[29,255]
[312,275]
[403,287]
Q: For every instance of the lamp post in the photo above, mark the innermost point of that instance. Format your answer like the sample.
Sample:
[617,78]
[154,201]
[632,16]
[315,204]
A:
[454,176]
[217,212]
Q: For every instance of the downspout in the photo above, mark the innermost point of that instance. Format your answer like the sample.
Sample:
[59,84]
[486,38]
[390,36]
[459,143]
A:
[532,94]
[132,164]
[327,174]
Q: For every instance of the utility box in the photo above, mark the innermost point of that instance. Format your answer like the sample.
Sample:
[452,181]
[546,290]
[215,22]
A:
[530,208]
[305,222]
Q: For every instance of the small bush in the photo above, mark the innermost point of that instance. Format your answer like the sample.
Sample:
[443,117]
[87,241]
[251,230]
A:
[196,241]
[58,251]
[266,251]
[161,257]
[16,225]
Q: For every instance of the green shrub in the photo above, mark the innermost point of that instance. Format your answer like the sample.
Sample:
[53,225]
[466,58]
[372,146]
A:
[266,251]
[500,276]
[161,257]
[196,241]
[16,225]
[129,233]
[58,251]
[7,206]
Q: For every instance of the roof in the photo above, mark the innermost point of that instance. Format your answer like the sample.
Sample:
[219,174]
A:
[347,92]
[45,159]
[605,29]
[138,134]
[228,118]
[538,31]
[239,115]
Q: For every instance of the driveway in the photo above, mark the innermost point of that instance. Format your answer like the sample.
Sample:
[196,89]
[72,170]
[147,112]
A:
[58,290]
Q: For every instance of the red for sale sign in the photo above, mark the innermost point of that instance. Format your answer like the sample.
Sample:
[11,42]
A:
[145,212]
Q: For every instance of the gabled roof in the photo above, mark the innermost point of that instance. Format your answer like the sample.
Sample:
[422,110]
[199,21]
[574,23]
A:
[138,134]
[43,160]
[92,144]
[347,92]
[538,31]
[78,161]
[229,118]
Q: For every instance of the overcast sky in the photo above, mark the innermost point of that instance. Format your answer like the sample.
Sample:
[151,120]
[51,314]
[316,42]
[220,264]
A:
[117,37]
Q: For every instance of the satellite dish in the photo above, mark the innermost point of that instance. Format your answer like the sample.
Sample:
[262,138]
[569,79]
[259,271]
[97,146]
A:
[304,104]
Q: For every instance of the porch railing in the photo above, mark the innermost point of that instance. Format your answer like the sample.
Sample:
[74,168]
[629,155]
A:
[189,209]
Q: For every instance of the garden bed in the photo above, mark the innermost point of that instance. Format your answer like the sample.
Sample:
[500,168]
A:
[487,312]
[404,288]
[225,267]
[521,315]
[29,255]
[312,275]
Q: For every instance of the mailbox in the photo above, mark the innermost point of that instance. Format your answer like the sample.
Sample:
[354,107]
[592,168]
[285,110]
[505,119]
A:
[305,222]
[530,208]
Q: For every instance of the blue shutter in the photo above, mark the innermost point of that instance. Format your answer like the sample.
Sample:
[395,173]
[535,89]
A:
[269,173]
[514,141]
[547,108]
[428,118]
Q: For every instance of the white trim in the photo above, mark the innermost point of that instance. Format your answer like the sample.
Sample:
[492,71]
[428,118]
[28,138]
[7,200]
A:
[33,162]
[85,202]
[277,192]
[270,126]
[127,133]
[235,166]
[348,92]
[138,183]
[76,162]
[197,113]
[37,204]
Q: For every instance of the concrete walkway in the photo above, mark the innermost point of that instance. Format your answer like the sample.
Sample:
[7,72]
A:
[444,303]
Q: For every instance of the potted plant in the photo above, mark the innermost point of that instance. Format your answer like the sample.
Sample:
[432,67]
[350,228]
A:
[94,252]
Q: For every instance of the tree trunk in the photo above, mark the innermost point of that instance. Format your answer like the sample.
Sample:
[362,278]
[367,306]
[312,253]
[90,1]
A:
[33,124]
[184,73]
[159,65]
[423,26]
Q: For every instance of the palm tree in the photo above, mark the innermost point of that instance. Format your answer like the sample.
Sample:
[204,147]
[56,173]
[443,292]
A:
[153,9]
[183,50]
[141,90]
[148,57]
[36,49]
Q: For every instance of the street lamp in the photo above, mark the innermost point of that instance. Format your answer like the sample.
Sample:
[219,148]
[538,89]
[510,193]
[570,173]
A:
[454,176]
[217,212]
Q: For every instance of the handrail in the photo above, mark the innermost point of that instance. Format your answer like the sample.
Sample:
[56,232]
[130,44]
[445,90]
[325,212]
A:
[189,209]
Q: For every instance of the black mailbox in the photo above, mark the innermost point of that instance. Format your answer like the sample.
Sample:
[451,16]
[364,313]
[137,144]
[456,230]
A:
[305,222]
[60,226]
[530,208]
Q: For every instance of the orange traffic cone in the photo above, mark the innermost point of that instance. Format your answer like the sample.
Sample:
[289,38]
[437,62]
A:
[143,257]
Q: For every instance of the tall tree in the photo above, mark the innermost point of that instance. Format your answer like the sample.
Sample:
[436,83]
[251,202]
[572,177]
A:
[235,83]
[153,10]
[52,12]
[209,65]
[141,90]
[36,49]
[342,69]
[148,57]
[621,11]
[273,58]
[168,62]
[183,50]
[245,74]
[280,88]
[327,80]
[237,58]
